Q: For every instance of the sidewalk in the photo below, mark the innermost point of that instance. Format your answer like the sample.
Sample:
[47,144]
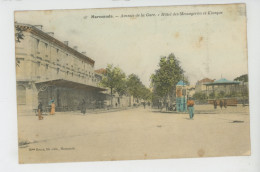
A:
[95,111]
[131,134]
[209,109]
[88,111]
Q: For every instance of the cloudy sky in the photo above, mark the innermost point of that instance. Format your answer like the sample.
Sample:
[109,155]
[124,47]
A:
[206,45]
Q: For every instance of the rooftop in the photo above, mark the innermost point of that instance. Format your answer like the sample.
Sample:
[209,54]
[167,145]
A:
[222,81]
[181,83]
[205,80]
[44,35]
[101,71]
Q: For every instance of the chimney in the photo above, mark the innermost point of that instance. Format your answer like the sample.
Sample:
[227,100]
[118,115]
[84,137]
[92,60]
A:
[50,33]
[66,42]
[84,53]
[38,26]
[75,48]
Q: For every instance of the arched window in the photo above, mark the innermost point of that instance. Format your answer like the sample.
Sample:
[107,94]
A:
[21,95]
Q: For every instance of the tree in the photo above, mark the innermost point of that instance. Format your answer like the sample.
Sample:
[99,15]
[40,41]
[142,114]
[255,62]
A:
[212,95]
[201,97]
[243,78]
[221,94]
[19,34]
[115,79]
[18,37]
[244,89]
[165,78]
[121,87]
[136,88]
[133,85]
[146,93]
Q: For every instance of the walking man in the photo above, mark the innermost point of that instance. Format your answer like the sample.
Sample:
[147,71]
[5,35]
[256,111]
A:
[225,103]
[221,104]
[190,105]
[167,106]
[83,106]
[40,111]
[215,104]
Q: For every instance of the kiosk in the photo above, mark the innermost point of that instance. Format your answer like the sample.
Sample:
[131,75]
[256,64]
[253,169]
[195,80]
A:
[181,98]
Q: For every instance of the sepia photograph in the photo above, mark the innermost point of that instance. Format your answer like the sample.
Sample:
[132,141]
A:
[132,83]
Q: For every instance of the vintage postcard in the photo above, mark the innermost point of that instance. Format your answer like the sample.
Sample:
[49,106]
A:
[132,83]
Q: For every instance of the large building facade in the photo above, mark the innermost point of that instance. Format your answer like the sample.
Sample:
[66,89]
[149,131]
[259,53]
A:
[47,69]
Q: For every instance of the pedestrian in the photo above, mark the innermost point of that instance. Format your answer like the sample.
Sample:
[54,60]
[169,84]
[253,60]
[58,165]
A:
[221,104]
[40,111]
[215,104]
[83,106]
[52,108]
[160,105]
[167,106]
[190,105]
[144,104]
[225,103]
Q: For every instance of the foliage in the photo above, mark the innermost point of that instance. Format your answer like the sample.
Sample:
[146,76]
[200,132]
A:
[146,93]
[233,94]
[212,95]
[221,94]
[165,78]
[200,96]
[19,34]
[136,88]
[133,85]
[243,78]
[115,79]
[245,92]
[186,80]
[121,87]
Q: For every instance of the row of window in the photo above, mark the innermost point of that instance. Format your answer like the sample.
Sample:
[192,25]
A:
[47,67]
[90,75]
[57,49]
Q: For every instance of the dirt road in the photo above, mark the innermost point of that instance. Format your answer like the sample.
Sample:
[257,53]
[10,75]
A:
[132,134]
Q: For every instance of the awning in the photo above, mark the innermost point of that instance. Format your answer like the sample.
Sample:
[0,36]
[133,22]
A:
[70,84]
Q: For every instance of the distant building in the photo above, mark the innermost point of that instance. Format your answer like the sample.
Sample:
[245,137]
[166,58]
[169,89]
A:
[191,90]
[101,71]
[47,68]
[200,86]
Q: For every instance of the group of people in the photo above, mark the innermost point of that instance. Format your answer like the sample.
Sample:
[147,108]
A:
[83,107]
[221,104]
[168,106]
[40,109]
[190,105]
